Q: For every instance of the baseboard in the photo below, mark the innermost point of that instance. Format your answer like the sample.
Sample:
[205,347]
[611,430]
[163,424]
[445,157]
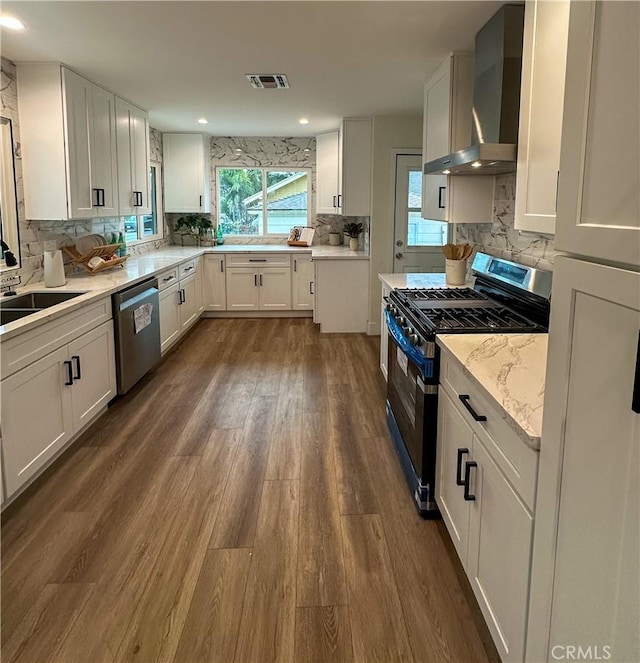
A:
[373,329]
[257,314]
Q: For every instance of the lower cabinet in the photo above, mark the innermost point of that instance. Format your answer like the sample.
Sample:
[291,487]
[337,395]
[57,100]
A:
[490,526]
[261,289]
[169,316]
[302,283]
[46,403]
[188,301]
[341,295]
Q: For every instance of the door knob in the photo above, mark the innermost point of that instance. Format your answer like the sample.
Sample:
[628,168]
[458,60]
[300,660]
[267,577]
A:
[399,242]
[398,255]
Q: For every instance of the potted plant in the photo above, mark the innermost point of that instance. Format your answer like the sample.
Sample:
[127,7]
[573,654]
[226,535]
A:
[195,225]
[353,230]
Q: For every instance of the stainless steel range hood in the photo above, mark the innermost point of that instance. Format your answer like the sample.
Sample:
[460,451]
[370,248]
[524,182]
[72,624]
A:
[496,100]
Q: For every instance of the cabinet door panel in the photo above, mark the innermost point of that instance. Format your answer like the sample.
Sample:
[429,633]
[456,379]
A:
[302,283]
[169,317]
[189,307]
[186,172]
[327,169]
[275,289]
[242,289]
[77,103]
[97,384]
[36,417]
[453,435]
[499,555]
[104,163]
[437,97]
[435,197]
[140,167]
[214,286]
[599,197]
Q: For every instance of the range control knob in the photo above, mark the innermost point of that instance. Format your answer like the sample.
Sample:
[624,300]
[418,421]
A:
[407,330]
[400,320]
[413,339]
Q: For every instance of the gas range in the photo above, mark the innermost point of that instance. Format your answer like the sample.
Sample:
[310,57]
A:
[506,298]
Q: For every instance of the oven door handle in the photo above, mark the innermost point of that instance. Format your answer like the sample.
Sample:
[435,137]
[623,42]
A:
[409,350]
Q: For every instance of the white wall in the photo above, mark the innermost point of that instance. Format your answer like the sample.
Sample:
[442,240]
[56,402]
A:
[390,132]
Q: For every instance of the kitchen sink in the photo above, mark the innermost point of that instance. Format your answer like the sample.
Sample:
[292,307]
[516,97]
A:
[19,306]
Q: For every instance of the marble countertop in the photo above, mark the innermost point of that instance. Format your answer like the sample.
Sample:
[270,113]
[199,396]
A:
[419,280]
[137,268]
[511,369]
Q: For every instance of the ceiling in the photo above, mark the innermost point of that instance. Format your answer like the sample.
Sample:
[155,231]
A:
[185,60]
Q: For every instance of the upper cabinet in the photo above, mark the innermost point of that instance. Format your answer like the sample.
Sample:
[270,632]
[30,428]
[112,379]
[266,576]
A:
[598,195]
[343,169]
[132,135]
[446,129]
[71,156]
[546,26]
[187,178]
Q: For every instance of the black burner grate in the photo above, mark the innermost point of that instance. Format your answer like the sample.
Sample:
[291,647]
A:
[443,294]
[475,319]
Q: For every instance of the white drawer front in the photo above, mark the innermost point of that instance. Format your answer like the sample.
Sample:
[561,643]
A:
[518,462]
[188,268]
[258,260]
[167,278]
[22,350]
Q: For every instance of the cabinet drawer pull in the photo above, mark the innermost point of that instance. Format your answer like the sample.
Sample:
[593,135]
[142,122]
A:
[467,476]
[635,401]
[260,279]
[200,201]
[188,269]
[257,260]
[168,278]
[76,360]
[295,265]
[255,280]
[311,292]
[459,477]
[334,201]
[181,296]
[69,381]
[440,190]
[465,401]
[339,200]
[222,265]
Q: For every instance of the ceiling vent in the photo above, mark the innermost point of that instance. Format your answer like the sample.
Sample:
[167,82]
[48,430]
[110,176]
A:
[268,81]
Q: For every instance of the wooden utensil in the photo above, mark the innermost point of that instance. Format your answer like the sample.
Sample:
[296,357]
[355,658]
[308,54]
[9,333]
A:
[468,250]
[449,251]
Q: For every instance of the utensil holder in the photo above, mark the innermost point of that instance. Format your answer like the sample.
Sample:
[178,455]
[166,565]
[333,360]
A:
[456,272]
[53,269]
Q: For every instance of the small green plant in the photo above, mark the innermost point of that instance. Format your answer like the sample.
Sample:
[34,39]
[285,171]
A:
[195,224]
[353,229]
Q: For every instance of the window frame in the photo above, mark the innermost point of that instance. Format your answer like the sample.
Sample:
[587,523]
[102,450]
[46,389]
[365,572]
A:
[264,170]
[159,210]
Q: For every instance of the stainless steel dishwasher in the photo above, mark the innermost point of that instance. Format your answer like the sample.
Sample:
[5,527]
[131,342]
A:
[137,329]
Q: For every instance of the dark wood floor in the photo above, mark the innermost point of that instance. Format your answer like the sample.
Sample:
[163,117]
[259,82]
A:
[243,504]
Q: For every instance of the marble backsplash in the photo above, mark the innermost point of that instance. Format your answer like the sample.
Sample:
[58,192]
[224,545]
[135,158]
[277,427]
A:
[501,239]
[263,152]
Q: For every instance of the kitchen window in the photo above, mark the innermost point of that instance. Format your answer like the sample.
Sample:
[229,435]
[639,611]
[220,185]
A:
[242,193]
[146,227]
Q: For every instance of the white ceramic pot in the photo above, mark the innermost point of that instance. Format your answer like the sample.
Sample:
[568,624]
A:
[354,243]
[334,239]
[456,272]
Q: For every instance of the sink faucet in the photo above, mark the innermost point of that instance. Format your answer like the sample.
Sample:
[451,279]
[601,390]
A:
[8,256]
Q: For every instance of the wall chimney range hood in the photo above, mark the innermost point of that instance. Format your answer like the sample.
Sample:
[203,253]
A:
[496,100]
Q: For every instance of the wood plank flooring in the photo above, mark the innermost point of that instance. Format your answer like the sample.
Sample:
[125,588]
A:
[243,504]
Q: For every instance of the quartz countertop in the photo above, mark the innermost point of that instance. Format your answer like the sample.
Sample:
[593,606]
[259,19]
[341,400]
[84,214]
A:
[419,280]
[137,268]
[511,369]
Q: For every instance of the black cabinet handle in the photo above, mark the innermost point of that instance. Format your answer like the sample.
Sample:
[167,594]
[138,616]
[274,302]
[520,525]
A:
[459,477]
[465,401]
[339,200]
[440,190]
[181,296]
[69,381]
[168,278]
[222,265]
[467,476]
[260,279]
[257,260]
[76,360]
[96,197]
[334,201]
[295,265]
[200,201]
[255,280]
[188,269]
[311,292]
[635,401]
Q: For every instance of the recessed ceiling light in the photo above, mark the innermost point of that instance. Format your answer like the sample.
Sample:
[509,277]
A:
[446,172]
[203,120]
[11,23]
[303,120]
[306,149]
[476,164]
[238,150]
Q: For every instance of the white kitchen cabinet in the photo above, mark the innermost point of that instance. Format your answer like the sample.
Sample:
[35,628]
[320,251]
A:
[339,308]
[132,137]
[70,386]
[242,289]
[69,153]
[343,169]
[169,316]
[187,173]
[258,289]
[302,276]
[586,574]
[188,301]
[544,57]
[199,285]
[599,197]
[214,283]
[275,288]
[446,129]
[478,483]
